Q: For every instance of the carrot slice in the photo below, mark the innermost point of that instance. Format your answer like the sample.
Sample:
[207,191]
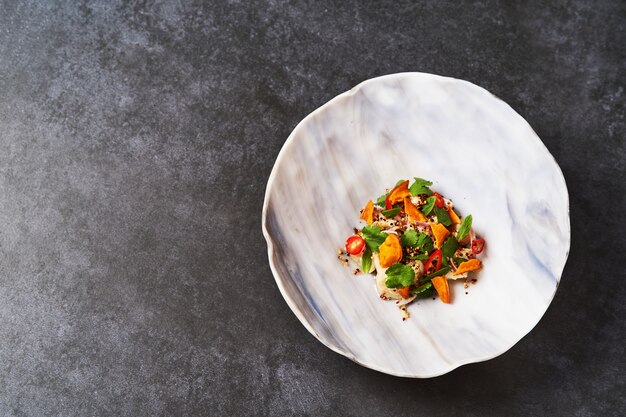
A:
[455,219]
[404,292]
[414,214]
[390,251]
[467,266]
[441,285]
[399,192]
[368,212]
[440,232]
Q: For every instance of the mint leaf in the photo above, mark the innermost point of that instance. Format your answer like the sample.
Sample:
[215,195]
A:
[381,200]
[424,290]
[448,248]
[366,260]
[409,238]
[428,207]
[464,229]
[420,186]
[373,237]
[399,275]
[442,216]
[442,271]
[392,212]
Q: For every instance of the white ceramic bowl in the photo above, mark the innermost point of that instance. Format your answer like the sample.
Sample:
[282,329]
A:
[478,152]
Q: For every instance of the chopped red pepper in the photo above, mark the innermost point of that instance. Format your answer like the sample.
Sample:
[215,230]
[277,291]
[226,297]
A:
[435,255]
[355,245]
[439,200]
[477,246]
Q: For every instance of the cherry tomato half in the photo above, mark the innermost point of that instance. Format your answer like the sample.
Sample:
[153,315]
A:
[439,201]
[355,245]
[477,246]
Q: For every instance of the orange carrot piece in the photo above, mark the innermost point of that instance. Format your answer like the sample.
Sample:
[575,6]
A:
[368,212]
[399,192]
[404,292]
[440,232]
[455,219]
[414,214]
[441,285]
[390,251]
[467,266]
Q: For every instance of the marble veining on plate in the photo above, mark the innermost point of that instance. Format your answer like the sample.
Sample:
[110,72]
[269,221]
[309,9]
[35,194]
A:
[476,150]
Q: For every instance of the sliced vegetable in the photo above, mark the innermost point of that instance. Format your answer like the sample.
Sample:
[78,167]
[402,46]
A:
[430,263]
[399,192]
[373,237]
[390,251]
[440,232]
[368,212]
[441,286]
[453,216]
[355,245]
[465,227]
[471,265]
[412,211]
[420,186]
[430,203]
[477,246]
[399,275]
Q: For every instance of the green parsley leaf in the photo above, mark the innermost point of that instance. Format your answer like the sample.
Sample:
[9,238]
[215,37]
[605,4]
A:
[428,207]
[424,290]
[399,275]
[366,260]
[448,248]
[373,237]
[442,216]
[425,243]
[381,200]
[420,186]
[464,229]
[409,238]
[399,182]
[392,212]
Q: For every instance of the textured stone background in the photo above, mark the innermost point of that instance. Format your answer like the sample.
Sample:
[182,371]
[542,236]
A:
[136,139]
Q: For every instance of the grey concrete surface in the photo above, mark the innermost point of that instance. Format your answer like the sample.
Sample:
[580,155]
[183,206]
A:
[136,139]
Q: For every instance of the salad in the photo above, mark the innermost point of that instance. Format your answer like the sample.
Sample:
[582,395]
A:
[414,242]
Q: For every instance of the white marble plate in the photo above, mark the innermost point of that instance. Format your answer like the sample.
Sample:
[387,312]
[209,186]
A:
[481,154]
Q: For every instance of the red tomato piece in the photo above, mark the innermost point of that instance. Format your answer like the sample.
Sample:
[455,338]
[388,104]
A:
[355,245]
